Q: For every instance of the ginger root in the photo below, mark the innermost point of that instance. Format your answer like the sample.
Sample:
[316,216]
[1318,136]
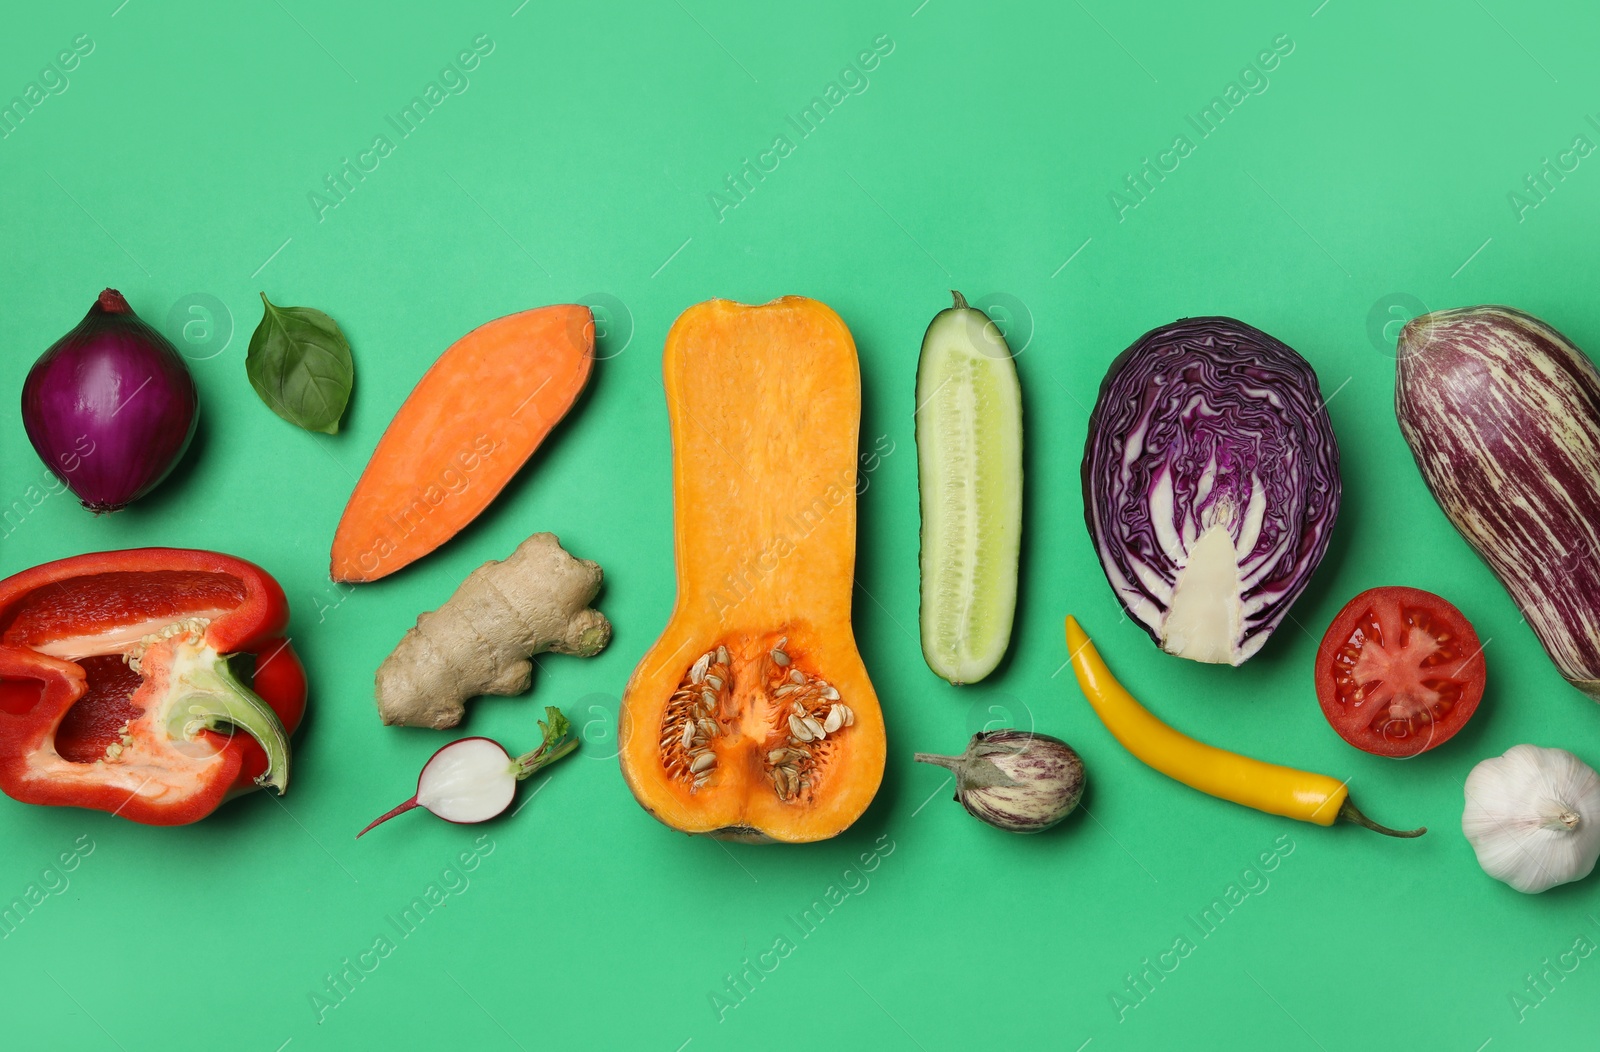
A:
[482,639]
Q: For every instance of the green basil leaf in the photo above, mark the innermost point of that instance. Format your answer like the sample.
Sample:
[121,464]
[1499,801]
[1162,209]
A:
[299,363]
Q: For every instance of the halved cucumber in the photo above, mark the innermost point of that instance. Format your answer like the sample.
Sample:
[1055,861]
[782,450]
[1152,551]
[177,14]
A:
[969,467]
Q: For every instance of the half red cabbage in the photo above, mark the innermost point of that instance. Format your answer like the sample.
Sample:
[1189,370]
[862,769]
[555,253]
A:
[1210,484]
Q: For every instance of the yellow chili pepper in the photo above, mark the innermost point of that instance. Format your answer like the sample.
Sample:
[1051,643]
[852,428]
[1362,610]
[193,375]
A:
[1267,787]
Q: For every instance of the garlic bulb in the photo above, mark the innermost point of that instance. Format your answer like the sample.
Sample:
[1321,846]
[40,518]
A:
[1533,817]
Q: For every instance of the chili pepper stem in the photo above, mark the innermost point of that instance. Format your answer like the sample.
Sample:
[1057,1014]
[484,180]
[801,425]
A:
[206,695]
[1348,812]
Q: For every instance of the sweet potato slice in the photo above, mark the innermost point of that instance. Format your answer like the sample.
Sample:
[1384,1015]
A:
[470,423]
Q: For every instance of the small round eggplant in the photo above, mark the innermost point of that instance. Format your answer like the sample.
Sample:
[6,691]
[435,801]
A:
[1015,780]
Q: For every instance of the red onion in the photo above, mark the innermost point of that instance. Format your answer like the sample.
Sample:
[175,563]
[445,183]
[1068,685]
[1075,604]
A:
[110,407]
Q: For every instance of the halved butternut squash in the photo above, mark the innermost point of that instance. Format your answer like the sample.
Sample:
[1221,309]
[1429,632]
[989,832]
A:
[752,717]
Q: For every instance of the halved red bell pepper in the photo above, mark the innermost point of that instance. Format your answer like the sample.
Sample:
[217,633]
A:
[118,689]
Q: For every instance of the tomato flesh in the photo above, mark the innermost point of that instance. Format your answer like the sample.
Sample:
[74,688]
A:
[1399,671]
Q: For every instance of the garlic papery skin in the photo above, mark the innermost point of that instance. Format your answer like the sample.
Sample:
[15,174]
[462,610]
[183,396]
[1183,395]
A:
[1533,817]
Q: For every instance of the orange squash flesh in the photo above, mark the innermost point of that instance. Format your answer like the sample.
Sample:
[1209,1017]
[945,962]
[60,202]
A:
[471,422]
[765,409]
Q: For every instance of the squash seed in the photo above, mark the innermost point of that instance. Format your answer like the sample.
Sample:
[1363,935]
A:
[815,728]
[831,694]
[834,721]
[798,728]
[698,672]
[714,682]
[688,733]
[796,676]
[703,762]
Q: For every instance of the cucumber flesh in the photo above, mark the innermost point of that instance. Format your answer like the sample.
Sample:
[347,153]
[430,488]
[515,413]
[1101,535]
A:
[969,469]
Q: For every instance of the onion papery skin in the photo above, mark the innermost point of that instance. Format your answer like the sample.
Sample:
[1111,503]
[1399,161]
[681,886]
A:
[1502,414]
[110,407]
[1206,422]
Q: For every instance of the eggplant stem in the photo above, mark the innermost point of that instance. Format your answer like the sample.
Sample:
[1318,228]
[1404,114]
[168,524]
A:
[1350,813]
[952,763]
[402,809]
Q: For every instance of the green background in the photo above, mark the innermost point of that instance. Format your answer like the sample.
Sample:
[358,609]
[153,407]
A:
[1370,177]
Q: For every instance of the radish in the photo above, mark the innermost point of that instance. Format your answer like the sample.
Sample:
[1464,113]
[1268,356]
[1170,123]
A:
[474,779]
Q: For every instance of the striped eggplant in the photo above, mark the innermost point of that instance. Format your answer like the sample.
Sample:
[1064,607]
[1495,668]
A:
[1502,413]
[1014,780]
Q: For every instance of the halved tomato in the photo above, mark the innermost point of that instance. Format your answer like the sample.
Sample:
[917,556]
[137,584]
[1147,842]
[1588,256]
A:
[1399,671]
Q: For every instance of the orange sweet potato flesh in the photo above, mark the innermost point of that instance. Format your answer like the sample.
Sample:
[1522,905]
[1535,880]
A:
[765,409]
[470,423]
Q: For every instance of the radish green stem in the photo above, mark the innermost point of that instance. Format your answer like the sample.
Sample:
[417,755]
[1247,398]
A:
[557,743]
